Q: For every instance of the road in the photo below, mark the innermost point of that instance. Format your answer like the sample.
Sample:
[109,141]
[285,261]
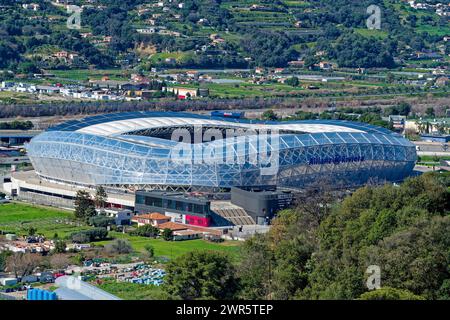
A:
[432,148]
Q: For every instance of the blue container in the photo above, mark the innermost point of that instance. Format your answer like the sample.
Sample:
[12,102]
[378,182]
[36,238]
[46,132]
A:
[39,294]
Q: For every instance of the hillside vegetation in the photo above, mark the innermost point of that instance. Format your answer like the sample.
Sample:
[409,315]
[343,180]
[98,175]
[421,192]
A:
[216,33]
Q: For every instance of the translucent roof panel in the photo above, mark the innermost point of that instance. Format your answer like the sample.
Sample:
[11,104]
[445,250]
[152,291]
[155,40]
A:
[109,124]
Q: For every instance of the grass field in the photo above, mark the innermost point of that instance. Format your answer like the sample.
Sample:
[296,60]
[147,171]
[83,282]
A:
[19,217]
[134,291]
[173,249]
[372,33]
[9,96]
[18,212]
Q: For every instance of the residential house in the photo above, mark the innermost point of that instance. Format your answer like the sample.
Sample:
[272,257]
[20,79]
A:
[139,78]
[47,89]
[154,219]
[31,6]
[297,63]
[170,60]
[259,70]
[186,235]
[61,54]
[183,93]
[147,30]
[121,217]
[324,65]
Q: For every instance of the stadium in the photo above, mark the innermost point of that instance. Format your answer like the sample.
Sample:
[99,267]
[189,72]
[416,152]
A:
[137,150]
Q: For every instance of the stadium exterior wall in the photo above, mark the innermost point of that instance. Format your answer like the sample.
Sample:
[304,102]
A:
[345,153]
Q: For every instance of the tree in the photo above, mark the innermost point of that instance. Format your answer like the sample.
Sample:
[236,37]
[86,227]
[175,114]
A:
[270,49]
[146,231]
[321,250]
[32,231]
[60,246]
[399,229]
[3,259]
[95,234]
[59,261]
[390,77]
[311,61]
[429,112]
[150,250]
[355,51]
[119,246]
[100,197]
[201,275]
[23,264]
[269,115]
[255,270]
[80,237]
[388,293]
[402,109]
[84,206]
[101,221]
[292,81]
[28,67]
[167,234]
[412,259]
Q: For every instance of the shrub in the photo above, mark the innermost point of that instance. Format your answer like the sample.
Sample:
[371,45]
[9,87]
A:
[96,234]
[167,234]
[150,250]
[146,231]
[388,293]
[119,246]
[101,221]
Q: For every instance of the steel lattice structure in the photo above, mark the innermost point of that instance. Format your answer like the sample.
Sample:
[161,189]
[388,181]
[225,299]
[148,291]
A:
[116,150]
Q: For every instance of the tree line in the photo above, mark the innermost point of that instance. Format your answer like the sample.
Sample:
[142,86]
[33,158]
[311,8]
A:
[321,249]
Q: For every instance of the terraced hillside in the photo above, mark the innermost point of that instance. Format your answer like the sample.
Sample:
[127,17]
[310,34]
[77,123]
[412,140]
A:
[216,33]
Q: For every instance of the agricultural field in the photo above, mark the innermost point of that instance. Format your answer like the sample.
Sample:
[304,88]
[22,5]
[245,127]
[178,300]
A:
[18,218]
[84,75]
[15,97]
[178,56]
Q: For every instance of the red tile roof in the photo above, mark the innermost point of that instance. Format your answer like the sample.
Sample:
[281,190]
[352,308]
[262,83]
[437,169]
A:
[152,216]
[173,226]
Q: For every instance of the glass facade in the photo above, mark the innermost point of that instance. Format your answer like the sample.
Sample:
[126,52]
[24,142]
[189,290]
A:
[353,154]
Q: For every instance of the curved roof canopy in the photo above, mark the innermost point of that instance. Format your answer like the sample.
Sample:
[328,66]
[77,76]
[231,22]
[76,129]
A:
[122,123]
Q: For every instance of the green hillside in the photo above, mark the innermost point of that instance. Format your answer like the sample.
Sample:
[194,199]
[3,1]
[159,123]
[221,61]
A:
[216,34]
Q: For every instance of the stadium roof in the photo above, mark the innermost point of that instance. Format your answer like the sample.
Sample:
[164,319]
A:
[121,123]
